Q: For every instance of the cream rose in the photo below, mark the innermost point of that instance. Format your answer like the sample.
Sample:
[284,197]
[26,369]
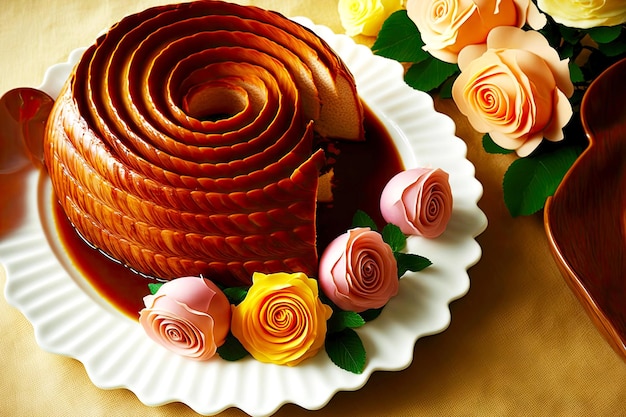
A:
[365,17]
[189,316]
[358,271]
[515,88]
[282,319]
[447,26]
[585,14]
[418,201]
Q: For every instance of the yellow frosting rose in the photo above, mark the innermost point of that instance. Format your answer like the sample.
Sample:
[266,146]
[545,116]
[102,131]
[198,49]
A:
[585,14]
[282,319]
[365,17]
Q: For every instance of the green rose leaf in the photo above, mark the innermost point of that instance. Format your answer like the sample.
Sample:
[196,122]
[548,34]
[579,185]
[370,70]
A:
[235,294]
[154,287]
[530,181]
[613,49]
[411,262]
[429,74]
[491,147]
[575,73]
[232,350]
[346,350]
[605,34]
[341,320]
[362,219]
[399,39]
[394,237]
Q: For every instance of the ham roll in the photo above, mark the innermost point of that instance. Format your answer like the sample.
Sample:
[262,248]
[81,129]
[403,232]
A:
[183,142]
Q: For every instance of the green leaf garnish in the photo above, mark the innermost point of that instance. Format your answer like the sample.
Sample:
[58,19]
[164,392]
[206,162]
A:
[154,287]
[346,350]
[344,319]
[362,219]
[491,147]
[411,262]
[530,181]
[394,237]
[429,74]
[235,295]
[371,314]
[400,40]
[232,349]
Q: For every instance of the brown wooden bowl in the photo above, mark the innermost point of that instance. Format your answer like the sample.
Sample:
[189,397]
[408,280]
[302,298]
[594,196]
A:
[585,219]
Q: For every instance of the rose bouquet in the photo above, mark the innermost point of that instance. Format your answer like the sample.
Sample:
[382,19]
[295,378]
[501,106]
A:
[516,69]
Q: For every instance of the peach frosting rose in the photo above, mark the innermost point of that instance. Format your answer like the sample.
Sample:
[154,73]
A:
[189,316]
[281,320]
[418,201]
[585,14]
[447,26]
[358,271]
[365,17]
[515,88]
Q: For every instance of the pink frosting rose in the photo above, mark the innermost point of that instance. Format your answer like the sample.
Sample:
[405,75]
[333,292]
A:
[516,88]
[418,201]
[358,271]
[189,316]
[447,26]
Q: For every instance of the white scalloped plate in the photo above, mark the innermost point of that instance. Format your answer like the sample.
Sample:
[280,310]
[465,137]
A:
[71,319]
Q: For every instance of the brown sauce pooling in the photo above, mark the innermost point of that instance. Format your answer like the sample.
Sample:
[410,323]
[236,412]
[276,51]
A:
[361,170]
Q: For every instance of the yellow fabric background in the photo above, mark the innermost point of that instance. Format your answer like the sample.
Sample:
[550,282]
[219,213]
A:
[519,342]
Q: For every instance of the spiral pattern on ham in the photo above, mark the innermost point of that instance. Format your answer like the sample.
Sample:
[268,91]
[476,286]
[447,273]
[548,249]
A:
[183,142]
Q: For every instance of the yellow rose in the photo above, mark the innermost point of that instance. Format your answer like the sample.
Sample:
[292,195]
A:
[585,14]
[282,319]
[365,17]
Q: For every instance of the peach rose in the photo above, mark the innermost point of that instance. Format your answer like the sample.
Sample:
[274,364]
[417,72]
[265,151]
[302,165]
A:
[418,201]
[515,88]
[365,17]
[585,14]
[282,319]
[447,26]
[358,271]
[189,316]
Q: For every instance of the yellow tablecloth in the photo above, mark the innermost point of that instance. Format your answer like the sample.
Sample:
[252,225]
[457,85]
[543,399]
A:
[519,342]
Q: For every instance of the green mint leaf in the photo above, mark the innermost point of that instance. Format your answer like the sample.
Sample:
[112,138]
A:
[530,181]
[154,287]
[605,34]
[411,262]
[429,74]
[491,147]
[399,39]
[344,319]
[371,314]
[232,350]
[393,236]
[346,350]
[362,219]
[235,294]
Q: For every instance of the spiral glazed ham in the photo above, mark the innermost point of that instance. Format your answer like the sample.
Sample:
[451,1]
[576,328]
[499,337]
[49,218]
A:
[183,142]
